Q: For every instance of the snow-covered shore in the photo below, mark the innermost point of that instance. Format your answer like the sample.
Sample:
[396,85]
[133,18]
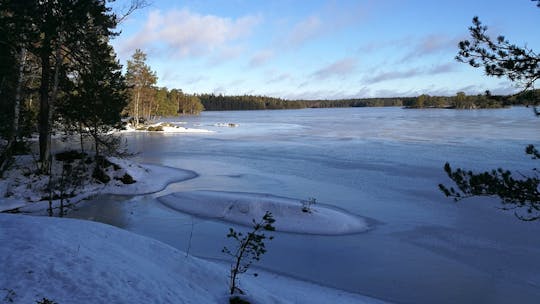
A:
[74,261]
[163,128]
[23,191]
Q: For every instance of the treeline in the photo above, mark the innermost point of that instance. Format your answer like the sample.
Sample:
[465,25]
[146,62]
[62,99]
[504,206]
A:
[459,101]
[174,102]
[147,101]
[480,101]
[213,102]
[58,72]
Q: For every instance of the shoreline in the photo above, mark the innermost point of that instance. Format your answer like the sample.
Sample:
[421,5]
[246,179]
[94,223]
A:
[90,240]
[29,202]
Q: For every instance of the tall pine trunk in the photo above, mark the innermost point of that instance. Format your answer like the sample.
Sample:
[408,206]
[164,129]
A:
[137,108]
[44,109]
[47,104]
[18,96]
[8,151]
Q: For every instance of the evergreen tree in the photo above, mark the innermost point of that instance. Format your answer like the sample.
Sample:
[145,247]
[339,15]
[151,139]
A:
[140,79]
[164,105]
[500,58]
[189,104]
[97,98]
[64,39]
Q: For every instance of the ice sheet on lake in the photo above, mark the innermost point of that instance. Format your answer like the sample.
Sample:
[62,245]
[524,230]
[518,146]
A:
[242,208]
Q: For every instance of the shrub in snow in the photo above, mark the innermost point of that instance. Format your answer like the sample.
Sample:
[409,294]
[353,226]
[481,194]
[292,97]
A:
[306,205]
[46,301]
[70,156]
[126,179]
[100,175]
[249,248]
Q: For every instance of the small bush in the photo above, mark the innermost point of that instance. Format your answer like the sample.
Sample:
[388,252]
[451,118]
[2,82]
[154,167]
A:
[46,301]
[250,248]
[20,148]
[306,204]
[100,175]
[126,179]
[103,162]
[69,156]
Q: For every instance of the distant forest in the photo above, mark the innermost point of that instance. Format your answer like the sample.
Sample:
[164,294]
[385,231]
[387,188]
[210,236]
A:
[213,102]
[147,101]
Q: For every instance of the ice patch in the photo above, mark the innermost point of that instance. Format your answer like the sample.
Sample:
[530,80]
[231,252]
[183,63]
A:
[242,208]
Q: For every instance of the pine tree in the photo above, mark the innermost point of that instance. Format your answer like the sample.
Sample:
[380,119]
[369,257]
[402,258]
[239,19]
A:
[500,58]
[140,79]
[97,98]
[64,39]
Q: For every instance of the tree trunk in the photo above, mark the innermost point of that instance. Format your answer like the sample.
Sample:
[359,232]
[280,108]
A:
[2,84]
[137,108]
[47,106]
[8,151]
[18,96]
[149,108]
[81,137]
[54,95]
[44,123]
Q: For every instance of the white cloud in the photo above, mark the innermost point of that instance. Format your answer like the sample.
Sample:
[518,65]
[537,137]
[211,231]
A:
[279,77]
[413,72]
[305,30]
[185,33]
[261,58]
[433,44]
[339,68]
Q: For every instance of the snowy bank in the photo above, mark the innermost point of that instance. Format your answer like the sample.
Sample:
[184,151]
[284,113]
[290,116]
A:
[164,127]
[25,191]
[74,261]
[242,208]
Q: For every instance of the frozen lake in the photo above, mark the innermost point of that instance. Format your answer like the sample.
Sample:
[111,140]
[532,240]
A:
[383,164]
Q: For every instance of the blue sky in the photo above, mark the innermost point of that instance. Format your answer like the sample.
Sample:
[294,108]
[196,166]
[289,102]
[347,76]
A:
[319,49]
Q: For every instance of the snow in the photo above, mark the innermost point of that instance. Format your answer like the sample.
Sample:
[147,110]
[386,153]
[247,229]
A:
[166,128]
[23,190]
[74,261]
[184,130]
[242,208]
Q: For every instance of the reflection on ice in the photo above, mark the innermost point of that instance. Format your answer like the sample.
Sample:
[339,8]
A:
[242,208]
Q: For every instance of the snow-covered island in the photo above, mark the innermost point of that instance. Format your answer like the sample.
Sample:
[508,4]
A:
[291,215]
[75,261]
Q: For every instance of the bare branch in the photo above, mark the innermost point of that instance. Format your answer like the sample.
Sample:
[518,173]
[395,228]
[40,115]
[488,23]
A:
[132,7]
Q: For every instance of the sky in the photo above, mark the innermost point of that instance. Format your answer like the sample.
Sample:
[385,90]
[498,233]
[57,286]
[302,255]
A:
[320,49]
